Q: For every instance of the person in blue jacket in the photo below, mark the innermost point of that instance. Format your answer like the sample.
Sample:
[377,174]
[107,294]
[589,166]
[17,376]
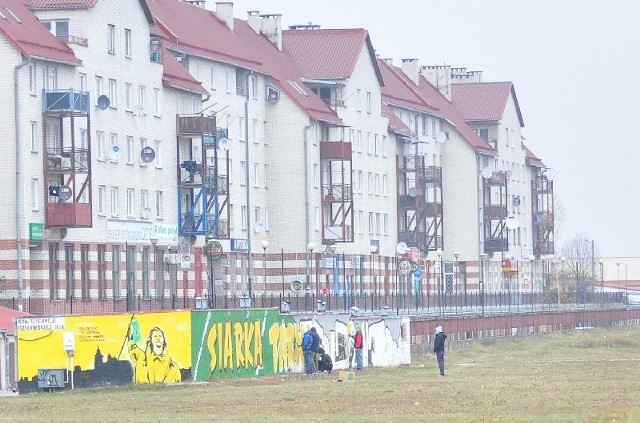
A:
[438,348]
[307,341]
[315,346]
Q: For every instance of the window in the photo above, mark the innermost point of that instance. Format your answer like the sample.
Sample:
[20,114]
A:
[84,272]
[100,143]
[376,145]
[384,185]
[243,173]
[376,187]
[114,143]
[266,220]
[128,94]
[113,93]
[32,79]
[54,282]
[83,81]
[243,218]
[370,223]
[254,86]
[254,131]
[265,177]
[143,144]
[35,194]
[131,203]
[385,224]
[144,204]
[159,204]
[369,182]
[360,221]
[114,201]
[256,175]
[358,95]
[242,135]
[359,142]
[157,146]
[130,150]
[115,270]
[34,136]
[102,200]
[102,272]
[385,146]
[227,80]
[69,270]
[377,223]
[359,182]
[156,102]
[352,135]
[99,88]
[127,43]
[212,77]
[369,144]
[142,94]
[369,102]
[111,39]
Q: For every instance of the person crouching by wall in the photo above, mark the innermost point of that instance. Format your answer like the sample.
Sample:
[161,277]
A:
[438,348]
[325,364]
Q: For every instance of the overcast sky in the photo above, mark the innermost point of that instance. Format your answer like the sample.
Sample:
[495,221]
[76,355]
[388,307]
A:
[575,66]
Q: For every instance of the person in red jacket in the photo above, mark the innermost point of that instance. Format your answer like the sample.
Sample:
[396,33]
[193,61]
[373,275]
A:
[358,344]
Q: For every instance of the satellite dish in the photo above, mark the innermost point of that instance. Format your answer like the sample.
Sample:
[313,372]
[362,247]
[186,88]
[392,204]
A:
[508,173]
[516,201]
[512,222]
[114,153]
[441,137]
[401,247]
[223,144]
[145,212]
[147,154]
[103,102]
[413,192]
[486,172]
[65,192]
[258,228]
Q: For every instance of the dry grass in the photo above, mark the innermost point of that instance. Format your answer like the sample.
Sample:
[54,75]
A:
[580,376]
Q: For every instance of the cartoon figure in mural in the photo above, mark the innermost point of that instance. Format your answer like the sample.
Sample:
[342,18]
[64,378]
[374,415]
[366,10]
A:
[324,361]
[307,342]
[153,364]
[438,348]
[358,344]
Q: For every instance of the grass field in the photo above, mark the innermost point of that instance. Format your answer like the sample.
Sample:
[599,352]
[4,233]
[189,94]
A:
[579,376]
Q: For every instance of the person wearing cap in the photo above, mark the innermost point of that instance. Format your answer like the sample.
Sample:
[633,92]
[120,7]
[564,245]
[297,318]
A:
[358,344]
[438,348]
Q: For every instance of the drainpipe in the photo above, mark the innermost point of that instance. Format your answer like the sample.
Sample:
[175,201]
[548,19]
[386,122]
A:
[480,205]
[18,215]
[313,124]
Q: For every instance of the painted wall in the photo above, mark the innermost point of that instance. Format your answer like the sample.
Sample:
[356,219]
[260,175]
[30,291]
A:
[120,349]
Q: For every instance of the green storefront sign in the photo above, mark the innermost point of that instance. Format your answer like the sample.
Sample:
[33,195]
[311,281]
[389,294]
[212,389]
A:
[36,232]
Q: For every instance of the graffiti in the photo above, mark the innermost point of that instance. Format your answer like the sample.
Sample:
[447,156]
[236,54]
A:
[153,364]
[285,341]
[239,340]
[51,378]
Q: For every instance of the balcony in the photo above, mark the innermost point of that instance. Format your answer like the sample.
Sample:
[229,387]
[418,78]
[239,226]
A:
[335,150]
[65,101]
[72,39]
[196,125]
[69,214]
[495,245]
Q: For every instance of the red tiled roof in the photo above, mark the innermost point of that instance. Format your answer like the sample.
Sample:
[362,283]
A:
[30,37]
[399,90]
[396,125]
[328,53]
[176,76]
[60,4]
[531,159]
[6,318]
[193,30]
[482,101]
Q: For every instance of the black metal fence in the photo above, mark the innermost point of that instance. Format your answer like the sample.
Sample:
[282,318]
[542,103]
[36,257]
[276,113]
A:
[401,303]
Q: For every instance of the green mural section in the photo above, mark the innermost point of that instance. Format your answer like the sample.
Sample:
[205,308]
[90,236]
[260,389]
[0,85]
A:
[243,343]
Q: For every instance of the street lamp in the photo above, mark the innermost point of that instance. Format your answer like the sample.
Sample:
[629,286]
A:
[264,245]
[532,260]
[373,248]
[310,247]
[601,282]
[455,272]
[618,276]
[562,259]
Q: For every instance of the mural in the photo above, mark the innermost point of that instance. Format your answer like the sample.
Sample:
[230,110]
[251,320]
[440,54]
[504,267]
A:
[105,350]
[119,349]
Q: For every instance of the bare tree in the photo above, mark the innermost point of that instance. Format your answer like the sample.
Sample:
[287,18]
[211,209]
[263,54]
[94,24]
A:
[579,264]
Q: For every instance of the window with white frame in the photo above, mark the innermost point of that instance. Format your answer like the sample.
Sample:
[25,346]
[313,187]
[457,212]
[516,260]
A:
[369,102]
[359,142]
[143,144]
[377,223]
[33,136]
[232,217]
[360,221]
[359,179]
[114,201]
[241,132]
[99,87]
[369,144]
[82,80]
[371,223]
[212,77]
[131,203]
[157,146]
[102,200]
[358,100]
[385,224]
[130,150]
[231,178]
[385,146]
[227,80]
[142,96]
[369,183]
[156,102]
[144,203]
[243,218]
[159,205]
[243,173]
[100,145]
[32,79]
[384,185]
[254,86]
[35,194]
[264,176]
[127,42]
[128,97]
[352,135]
[113,93]
[376,186]
[254,131]
[376,145]
[265,224]
[256,175]
[111,39]
[114,143]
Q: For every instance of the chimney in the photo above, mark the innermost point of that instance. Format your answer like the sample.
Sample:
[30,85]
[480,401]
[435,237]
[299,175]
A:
[410,68]
[271,28]
[224,10]
[388,61]
[199,3]
[439,77]
[253,19]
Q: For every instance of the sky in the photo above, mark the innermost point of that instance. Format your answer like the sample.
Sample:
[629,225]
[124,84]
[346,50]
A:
[575,65]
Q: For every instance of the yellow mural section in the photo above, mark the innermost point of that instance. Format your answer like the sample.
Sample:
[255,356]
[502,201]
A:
[285,340]
[155,345]
[240,339]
